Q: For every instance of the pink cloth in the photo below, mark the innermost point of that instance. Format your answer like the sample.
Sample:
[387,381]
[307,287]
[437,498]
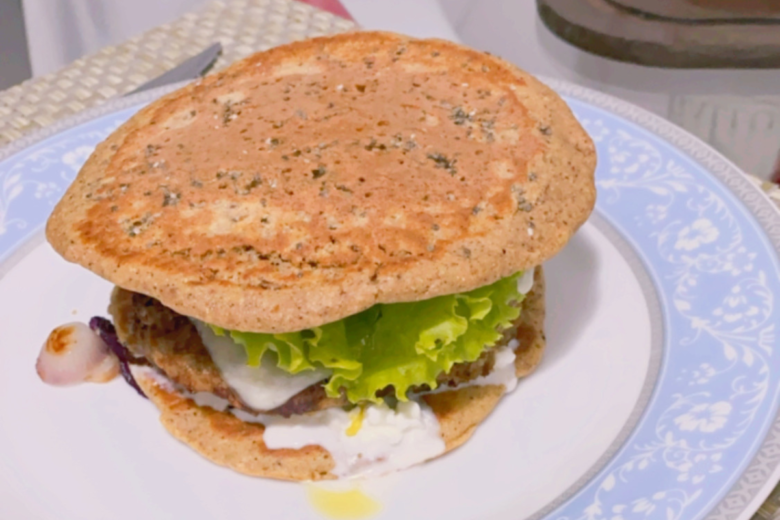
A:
[332,6]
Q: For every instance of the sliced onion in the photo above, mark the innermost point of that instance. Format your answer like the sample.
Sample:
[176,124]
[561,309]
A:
[73,354]
[105,329]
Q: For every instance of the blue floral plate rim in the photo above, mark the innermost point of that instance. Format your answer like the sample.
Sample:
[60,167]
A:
[758,476]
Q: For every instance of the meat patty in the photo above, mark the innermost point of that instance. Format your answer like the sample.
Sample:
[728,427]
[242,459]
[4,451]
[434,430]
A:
[170,342]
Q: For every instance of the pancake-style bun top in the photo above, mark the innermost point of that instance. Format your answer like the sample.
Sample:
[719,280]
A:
[311,181]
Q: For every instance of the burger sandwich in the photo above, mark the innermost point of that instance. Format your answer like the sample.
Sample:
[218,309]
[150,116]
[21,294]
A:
[327,257]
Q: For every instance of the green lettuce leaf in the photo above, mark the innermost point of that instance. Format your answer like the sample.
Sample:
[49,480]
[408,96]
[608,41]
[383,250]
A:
[402,345]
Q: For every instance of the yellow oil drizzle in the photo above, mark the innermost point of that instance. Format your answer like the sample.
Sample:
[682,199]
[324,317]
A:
[357,422]
[351,504]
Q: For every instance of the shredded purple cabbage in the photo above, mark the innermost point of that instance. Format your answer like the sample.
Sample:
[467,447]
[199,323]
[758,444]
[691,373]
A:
[105,329]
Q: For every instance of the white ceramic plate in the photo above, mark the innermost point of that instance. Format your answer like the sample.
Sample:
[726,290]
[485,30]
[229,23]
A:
[657,397]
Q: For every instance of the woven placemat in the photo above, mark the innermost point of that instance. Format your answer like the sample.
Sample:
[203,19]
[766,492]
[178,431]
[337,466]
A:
[242,26]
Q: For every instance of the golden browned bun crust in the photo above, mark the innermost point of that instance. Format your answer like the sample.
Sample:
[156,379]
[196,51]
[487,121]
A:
[460,411]
[309,182]
[228,441]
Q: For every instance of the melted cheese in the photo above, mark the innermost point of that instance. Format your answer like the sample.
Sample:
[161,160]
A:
[262,387]
[526,281]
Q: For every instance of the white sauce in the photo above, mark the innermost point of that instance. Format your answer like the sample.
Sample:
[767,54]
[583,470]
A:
[388,439]
[144,371]
[526,281]
[263,387]
[503,370]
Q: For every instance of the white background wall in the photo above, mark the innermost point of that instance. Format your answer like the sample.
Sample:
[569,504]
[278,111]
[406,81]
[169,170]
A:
[60,31]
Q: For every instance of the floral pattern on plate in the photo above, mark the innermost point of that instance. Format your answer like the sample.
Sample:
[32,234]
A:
[718,278]
[714,264]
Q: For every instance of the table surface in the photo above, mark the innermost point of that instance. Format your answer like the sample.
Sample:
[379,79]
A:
[247,26]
